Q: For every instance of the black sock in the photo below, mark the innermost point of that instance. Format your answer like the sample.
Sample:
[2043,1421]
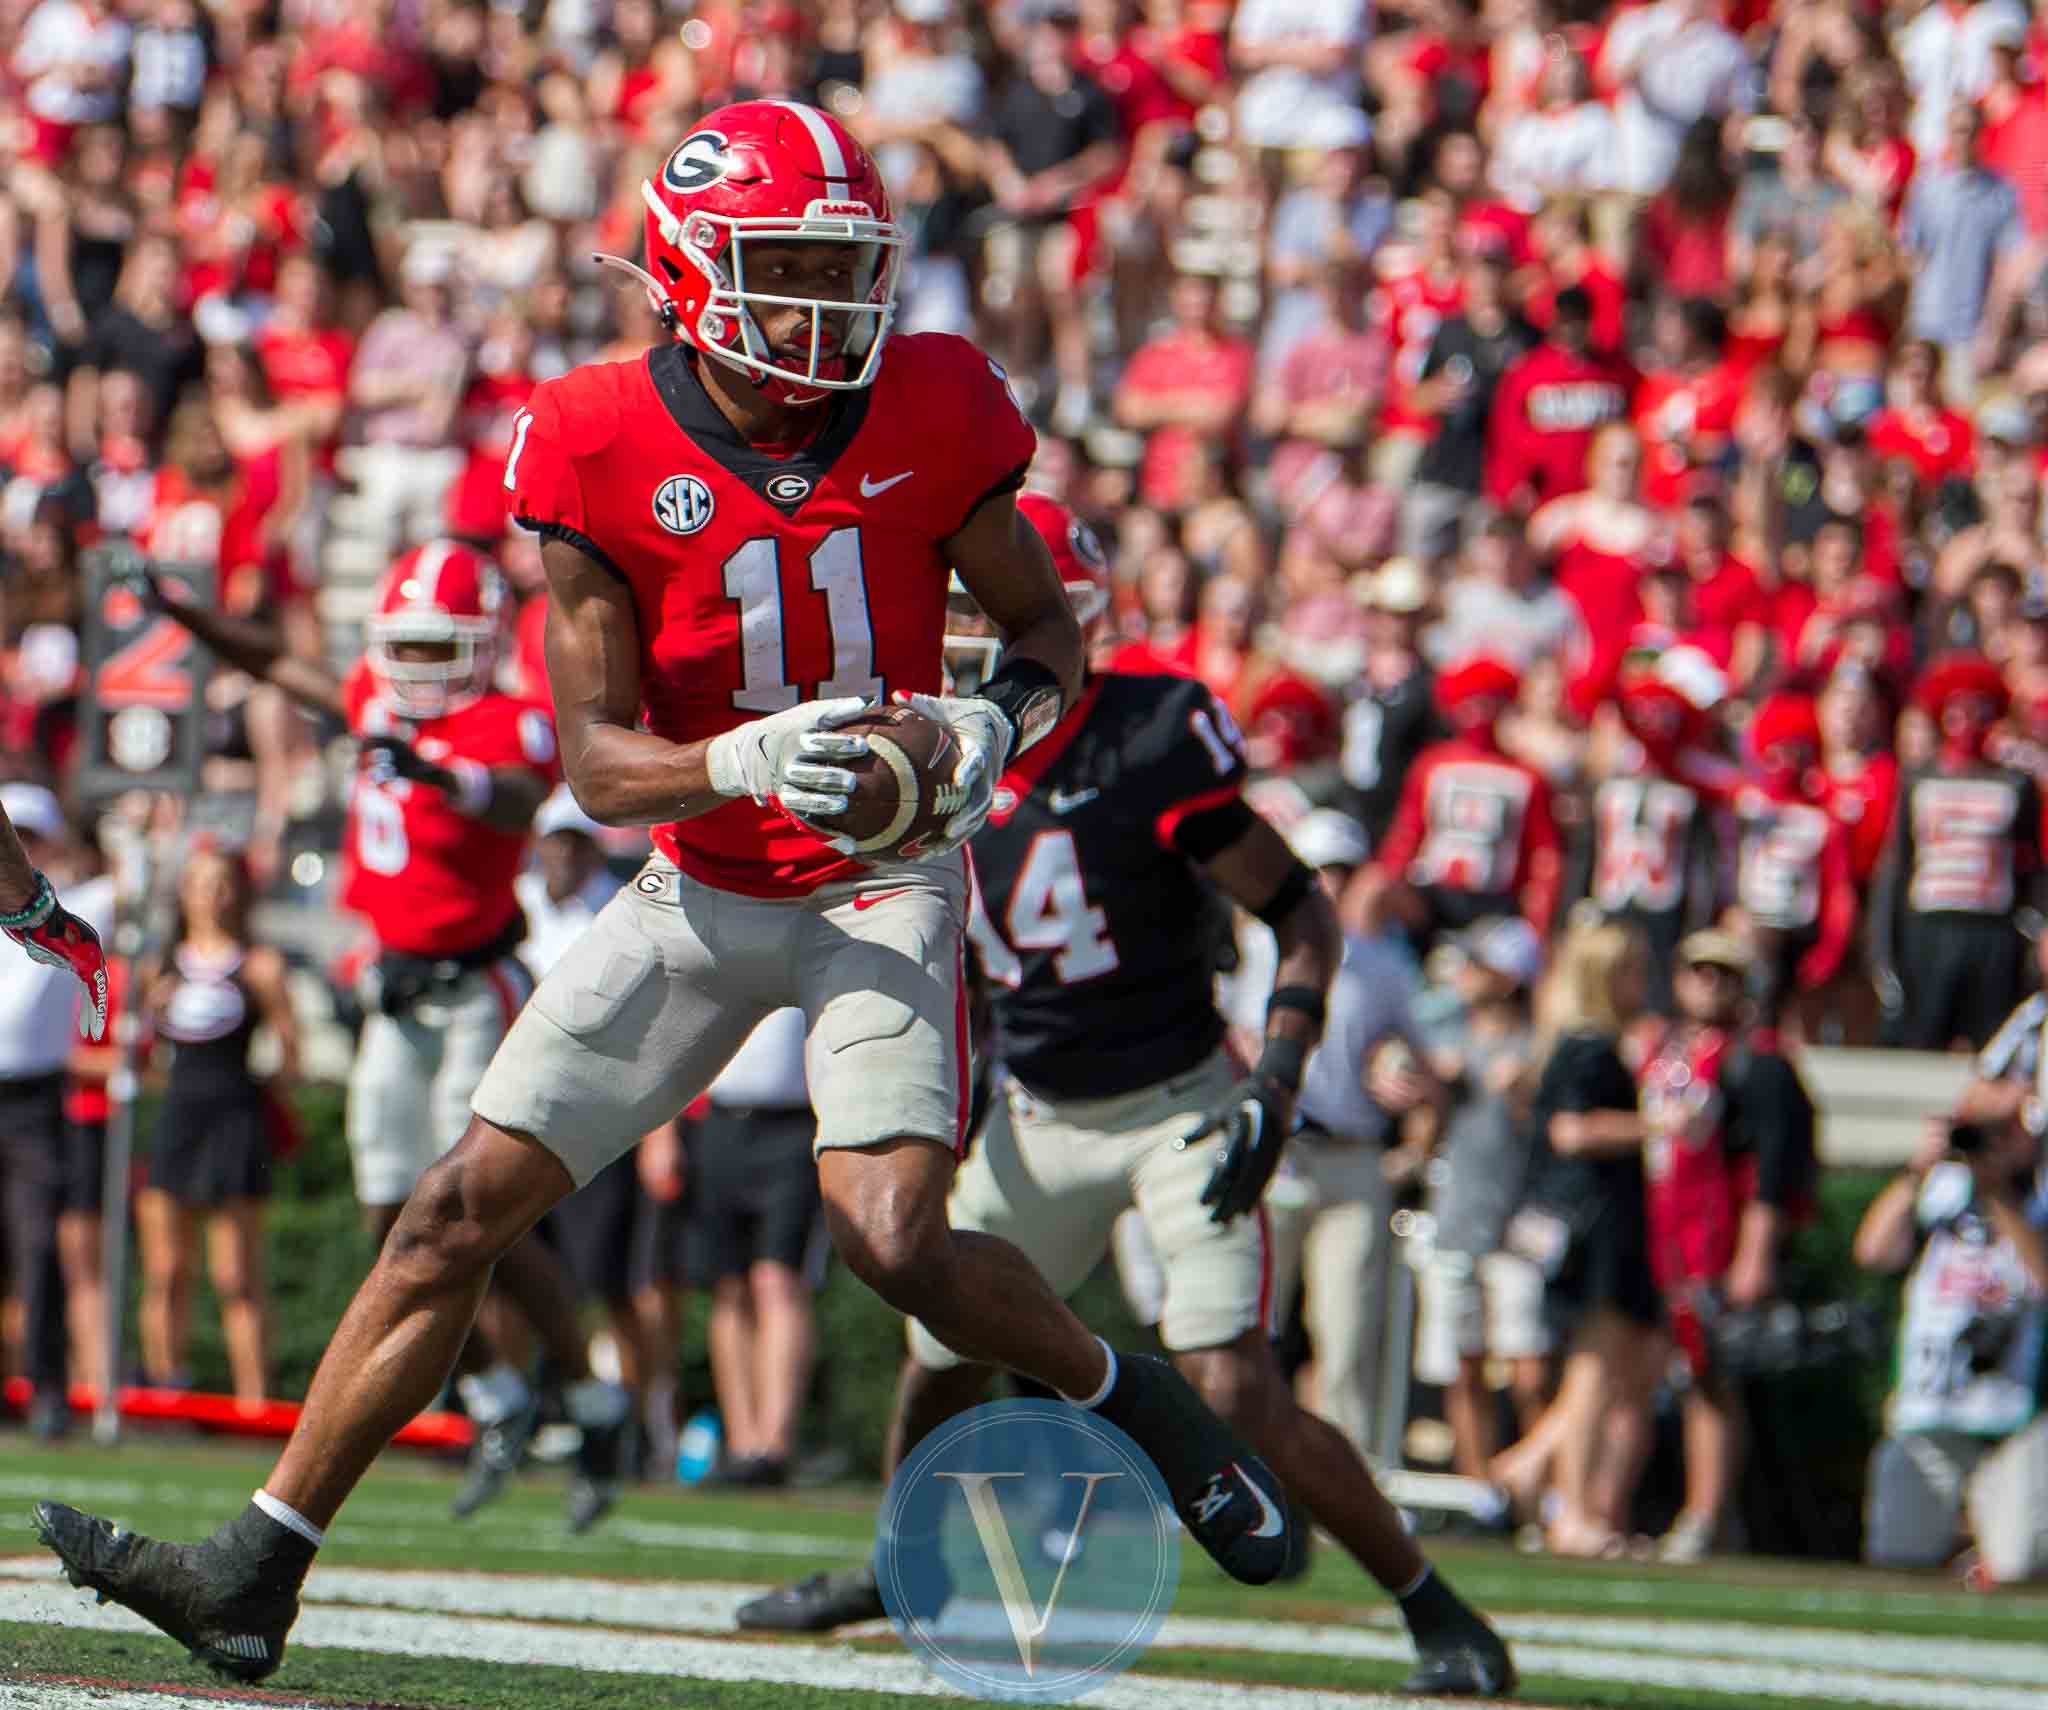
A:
[273,1550]
[1432,1607]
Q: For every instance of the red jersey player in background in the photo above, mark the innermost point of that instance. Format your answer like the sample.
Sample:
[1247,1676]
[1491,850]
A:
[1794,876]
[748,534]
[1653,847]
[439,821]
[1473,835]
[1964,856]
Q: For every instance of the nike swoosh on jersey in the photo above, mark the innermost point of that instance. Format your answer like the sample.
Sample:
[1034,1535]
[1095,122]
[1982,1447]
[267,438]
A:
[870,487]
[870,898]
[1062,802]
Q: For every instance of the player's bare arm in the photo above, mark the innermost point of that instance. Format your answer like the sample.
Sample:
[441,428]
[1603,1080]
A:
[251,646]
[1260,872]
[18,882]
[1006,567]
[621,775]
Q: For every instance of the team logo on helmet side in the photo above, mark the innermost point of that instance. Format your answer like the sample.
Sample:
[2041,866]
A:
[789,489]
[1086,547]
[682,504]
[699,162]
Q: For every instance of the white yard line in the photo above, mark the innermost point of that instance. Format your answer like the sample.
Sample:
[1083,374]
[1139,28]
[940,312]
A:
[1759,1662]
[828,1665]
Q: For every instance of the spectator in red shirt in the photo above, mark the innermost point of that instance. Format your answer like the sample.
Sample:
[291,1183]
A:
[1685,408]
[1685,226]
[1600,542]
[1914,424]
[1867,149]
[1186,389]
[1326,393]
[1550,405]
[1566,259]
[2014,143]
[1727,599]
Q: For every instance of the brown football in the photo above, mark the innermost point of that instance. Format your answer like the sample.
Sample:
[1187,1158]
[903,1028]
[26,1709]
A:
[899,797]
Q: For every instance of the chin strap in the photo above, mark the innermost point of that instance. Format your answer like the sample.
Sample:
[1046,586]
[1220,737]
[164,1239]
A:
[658,299]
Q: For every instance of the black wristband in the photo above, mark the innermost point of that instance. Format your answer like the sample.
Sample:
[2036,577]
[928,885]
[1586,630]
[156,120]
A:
[1029,696]
[1292,893]
[1282,1062]
[1303,1000]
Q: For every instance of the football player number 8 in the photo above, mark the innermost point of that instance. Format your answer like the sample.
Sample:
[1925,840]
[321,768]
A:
[753,577]
[380,831]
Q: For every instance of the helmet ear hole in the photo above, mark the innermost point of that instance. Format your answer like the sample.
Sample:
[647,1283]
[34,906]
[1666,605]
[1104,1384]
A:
[675,273]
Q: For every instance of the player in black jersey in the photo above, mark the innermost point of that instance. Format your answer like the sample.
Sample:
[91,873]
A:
[1092,887]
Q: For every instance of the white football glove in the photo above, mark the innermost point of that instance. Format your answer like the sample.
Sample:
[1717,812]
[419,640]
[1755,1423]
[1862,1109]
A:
[788,757]
[983,731]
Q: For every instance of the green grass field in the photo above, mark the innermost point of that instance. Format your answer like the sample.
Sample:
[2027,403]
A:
[410,1609]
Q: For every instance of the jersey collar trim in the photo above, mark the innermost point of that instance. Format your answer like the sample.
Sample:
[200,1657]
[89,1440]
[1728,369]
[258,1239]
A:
[1024,777]
[690,407]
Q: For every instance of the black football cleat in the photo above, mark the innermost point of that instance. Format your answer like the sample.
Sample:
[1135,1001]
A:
[817,1603]
[497,1453]
[1226,1497]
[602,1451]
[230,1610]
[1466,1662]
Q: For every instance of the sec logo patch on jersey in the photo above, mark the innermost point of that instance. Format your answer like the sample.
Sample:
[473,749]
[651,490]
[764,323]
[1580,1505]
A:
[682,504]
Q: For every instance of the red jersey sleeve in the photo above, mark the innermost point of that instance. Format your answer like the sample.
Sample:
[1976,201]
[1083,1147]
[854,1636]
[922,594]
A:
[516,734]
[1404,835]
[1507,438]
[1542,857]
[985,441]
[565,422]
[1837,911]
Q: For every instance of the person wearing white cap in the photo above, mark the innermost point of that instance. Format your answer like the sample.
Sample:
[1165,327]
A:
[40,1018]
[1477,1300]
[567,884]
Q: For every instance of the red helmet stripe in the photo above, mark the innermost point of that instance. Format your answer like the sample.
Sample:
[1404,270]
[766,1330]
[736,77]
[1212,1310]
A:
[831,158]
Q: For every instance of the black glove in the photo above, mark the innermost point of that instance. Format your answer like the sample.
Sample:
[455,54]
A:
[388,757]
[1254,1119]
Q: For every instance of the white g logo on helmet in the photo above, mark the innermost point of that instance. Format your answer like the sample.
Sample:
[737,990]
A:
[699,162]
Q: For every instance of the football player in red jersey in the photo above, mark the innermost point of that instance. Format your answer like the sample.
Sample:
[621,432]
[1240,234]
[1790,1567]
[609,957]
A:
[1473,835]
[1652,838]
[31,915]
[1794,876]
[1964,856]
[1102,847]
[747,534]
[439,822]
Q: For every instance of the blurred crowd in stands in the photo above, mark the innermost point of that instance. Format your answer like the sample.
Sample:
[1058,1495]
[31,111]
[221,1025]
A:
[1595,450]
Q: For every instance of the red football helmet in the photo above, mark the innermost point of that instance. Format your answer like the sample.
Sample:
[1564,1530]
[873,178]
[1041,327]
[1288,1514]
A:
[1785,721]
[972,644]
[760,172]
[1660,718]
[440,594]
[1474,694]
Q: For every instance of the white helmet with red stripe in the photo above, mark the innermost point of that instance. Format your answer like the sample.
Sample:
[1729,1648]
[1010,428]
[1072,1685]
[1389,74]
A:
[445,606]
[771,172]
[972,644]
